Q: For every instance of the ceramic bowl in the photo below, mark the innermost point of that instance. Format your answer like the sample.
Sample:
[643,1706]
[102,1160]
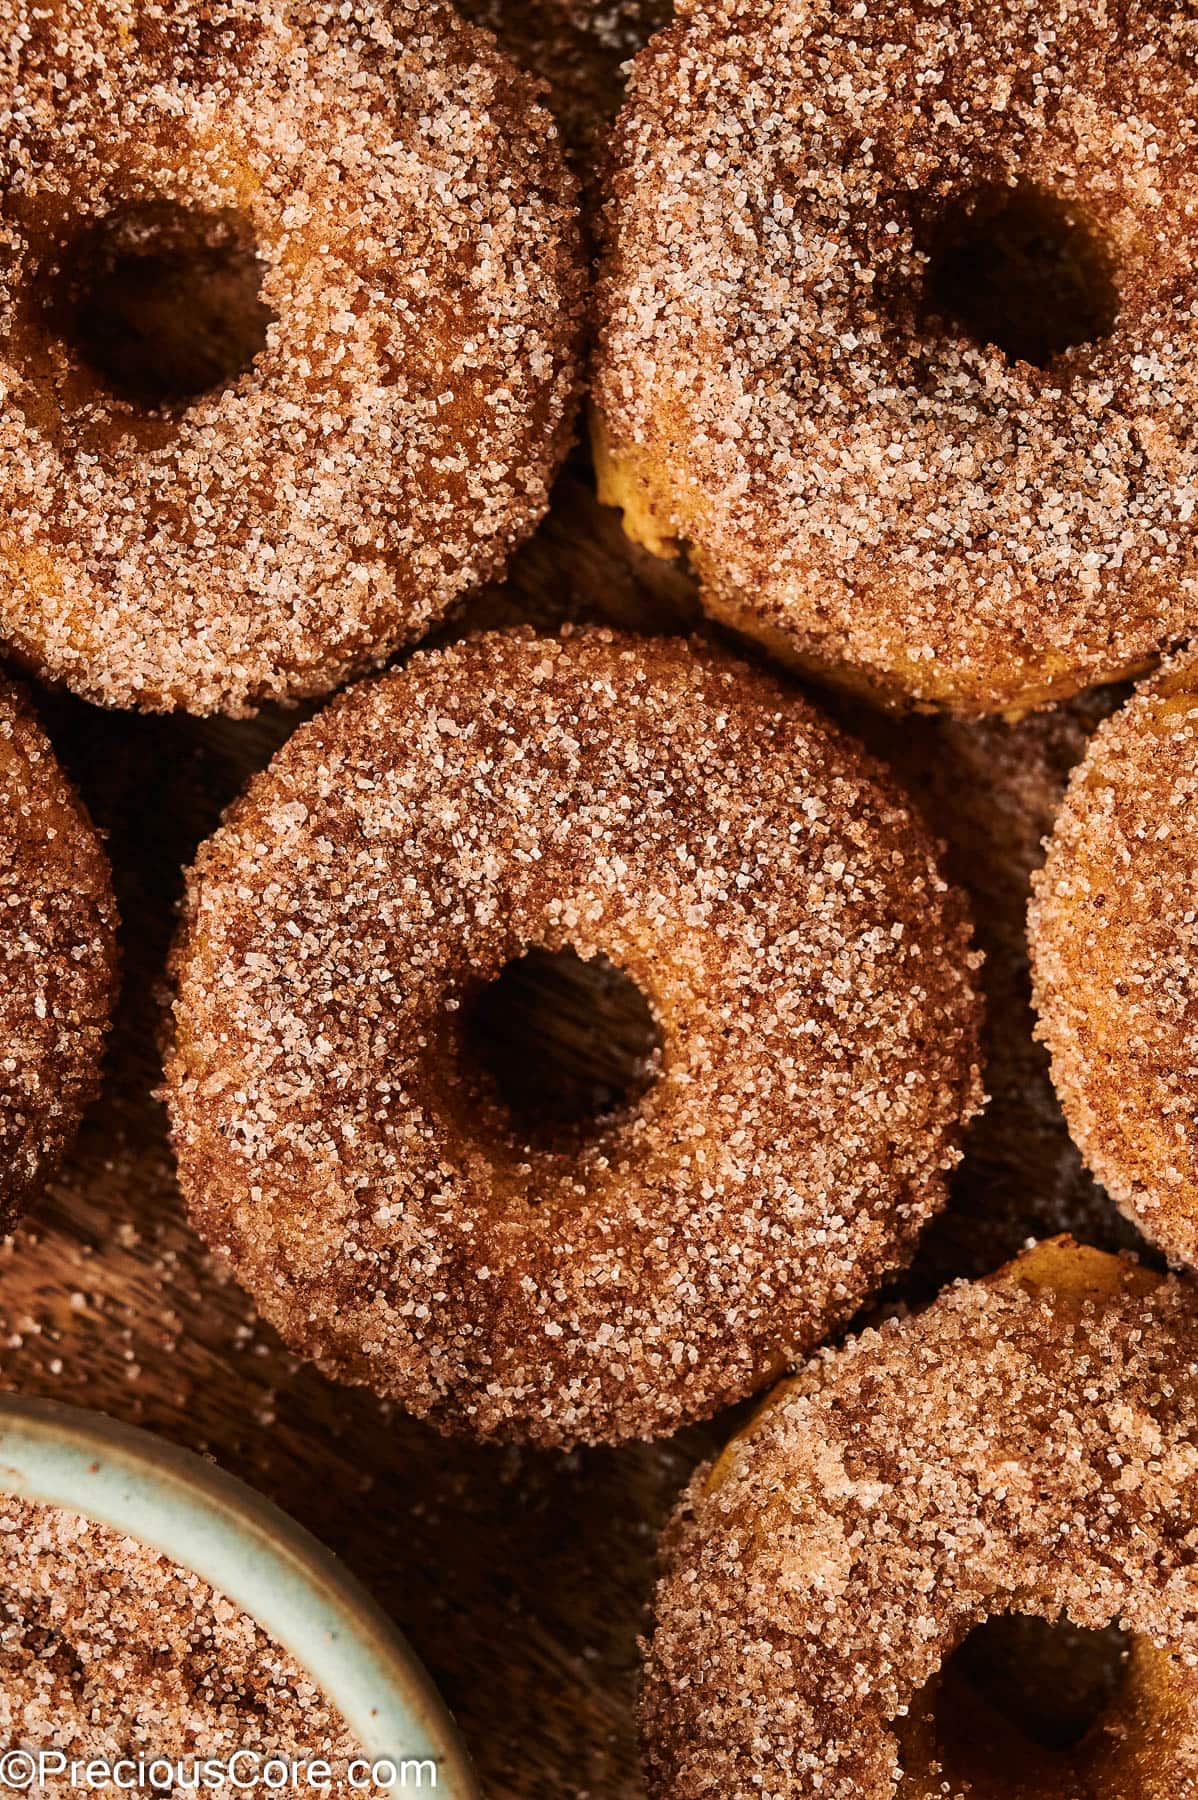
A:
[242,1545]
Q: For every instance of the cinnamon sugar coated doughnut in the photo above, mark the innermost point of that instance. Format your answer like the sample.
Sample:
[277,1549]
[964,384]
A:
[58,972]
[289,309]
[778,907]
[1114,935]
[898,335]
[1027,1446]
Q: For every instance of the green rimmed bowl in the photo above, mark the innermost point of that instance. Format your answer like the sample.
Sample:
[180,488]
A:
[174,1502]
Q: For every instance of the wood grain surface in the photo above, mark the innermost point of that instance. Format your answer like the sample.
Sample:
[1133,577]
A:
[523,1578]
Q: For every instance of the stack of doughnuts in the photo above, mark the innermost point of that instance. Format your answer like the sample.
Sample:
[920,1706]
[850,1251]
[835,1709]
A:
[893,335]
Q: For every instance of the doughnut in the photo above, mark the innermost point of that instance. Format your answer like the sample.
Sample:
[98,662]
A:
[289,314]
[58,958]
[654,810]
[1025,1447]
[897,342]
[1114,939]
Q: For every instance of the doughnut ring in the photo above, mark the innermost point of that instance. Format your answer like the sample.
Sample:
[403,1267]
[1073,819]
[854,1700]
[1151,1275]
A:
[289,314]
[896,337]
[807,970]
[58,957]
[1024,1446]
[1114,939]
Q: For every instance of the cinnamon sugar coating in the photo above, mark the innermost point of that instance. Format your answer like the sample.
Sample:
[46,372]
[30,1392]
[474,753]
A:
[779,908]
[58,957]
[1114,936]
[879,495]
[109,1649]
[405,205]
[1027,1444]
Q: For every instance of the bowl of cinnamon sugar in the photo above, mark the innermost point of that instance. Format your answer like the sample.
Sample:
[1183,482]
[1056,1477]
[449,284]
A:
[164,1628]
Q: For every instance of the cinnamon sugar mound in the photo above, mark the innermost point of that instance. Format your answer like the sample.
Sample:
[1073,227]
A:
[110,1650]
[760,881]
[1114,933]
[1019,1446]
[58,958]
[861,483]
[416,238]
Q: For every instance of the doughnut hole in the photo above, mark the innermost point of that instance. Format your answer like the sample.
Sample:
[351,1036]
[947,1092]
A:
[1020,269]
[566,1044]
[161,302]
[1023,1708]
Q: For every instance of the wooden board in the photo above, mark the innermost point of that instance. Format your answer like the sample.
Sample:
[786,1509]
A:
[523,1578]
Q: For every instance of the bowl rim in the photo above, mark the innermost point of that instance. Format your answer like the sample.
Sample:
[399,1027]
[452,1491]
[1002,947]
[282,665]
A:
[242,1544]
